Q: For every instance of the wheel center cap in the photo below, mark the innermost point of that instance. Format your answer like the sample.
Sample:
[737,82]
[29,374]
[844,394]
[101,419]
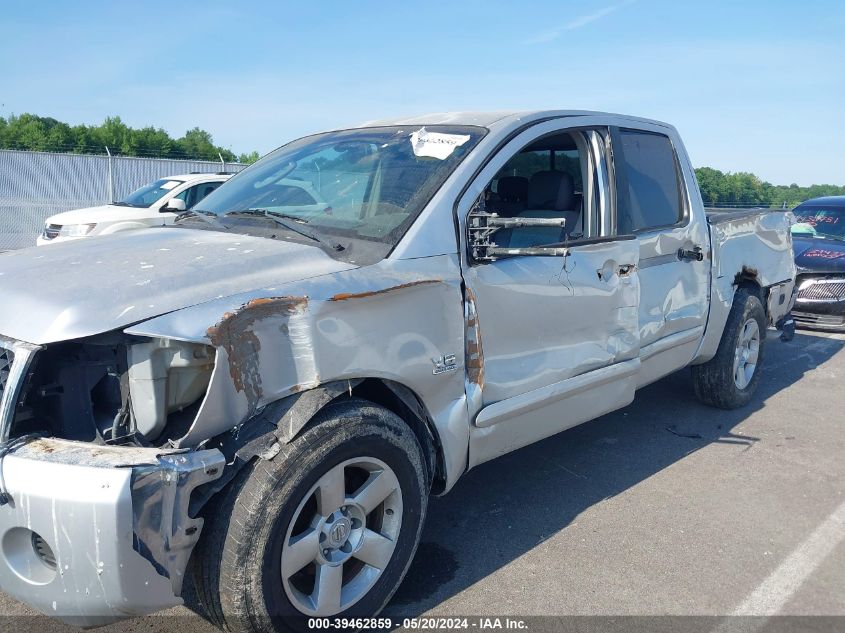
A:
[339,532]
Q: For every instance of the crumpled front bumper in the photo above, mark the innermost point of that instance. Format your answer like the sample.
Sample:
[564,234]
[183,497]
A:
[93,534]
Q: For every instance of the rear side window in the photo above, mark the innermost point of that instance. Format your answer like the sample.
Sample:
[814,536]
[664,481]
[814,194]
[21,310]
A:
[654,192]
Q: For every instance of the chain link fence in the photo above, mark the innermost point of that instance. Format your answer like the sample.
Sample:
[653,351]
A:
[36,185]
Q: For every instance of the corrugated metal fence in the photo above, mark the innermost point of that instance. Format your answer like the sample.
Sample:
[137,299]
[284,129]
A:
[35,185]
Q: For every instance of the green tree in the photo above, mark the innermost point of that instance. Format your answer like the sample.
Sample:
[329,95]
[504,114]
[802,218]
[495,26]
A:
[745,189]
[198,143]
[248,159]
[31,132]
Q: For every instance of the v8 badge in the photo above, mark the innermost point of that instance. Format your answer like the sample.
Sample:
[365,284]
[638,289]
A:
[444,363]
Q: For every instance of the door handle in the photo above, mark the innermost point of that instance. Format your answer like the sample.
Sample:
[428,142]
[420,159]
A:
[607,271]
[623,270]
[694,255]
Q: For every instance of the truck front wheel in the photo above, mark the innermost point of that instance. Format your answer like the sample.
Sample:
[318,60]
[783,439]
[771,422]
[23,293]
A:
[729,379]
[327,528]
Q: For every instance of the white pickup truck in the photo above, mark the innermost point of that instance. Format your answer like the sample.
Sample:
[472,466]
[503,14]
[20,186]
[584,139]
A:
[272,392]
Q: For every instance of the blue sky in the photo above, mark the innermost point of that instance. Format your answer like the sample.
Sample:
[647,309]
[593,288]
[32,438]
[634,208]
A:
[752,86]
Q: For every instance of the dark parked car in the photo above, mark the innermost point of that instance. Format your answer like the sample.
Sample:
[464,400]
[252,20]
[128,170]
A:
[819,244]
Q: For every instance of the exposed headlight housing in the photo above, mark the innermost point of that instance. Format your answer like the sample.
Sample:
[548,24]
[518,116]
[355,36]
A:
[165,376]
[76,230]
[113,386]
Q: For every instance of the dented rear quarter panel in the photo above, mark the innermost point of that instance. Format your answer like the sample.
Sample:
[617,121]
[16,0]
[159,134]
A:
[754,245]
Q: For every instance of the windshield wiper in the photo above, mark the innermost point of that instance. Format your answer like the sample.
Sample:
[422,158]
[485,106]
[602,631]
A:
[289,222]
[206,216]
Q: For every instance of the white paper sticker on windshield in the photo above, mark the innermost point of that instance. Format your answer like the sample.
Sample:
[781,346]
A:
[170,184]
[435,144]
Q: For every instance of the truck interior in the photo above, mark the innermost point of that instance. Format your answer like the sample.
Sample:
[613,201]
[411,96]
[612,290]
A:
[544,180]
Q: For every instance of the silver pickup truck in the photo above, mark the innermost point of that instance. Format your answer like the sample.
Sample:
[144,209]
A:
[265,394]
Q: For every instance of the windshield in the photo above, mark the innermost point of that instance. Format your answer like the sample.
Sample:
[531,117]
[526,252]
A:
[361,188]
[826,222]
[149,194]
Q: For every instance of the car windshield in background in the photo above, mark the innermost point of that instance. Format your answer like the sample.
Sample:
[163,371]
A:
[360,188]
[826,222]
[150,194]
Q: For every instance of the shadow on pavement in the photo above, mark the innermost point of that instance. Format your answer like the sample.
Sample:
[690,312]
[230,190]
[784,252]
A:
[480,525]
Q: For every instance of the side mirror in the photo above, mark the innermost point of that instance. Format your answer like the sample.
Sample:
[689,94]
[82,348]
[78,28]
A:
[482,226]
[176,205]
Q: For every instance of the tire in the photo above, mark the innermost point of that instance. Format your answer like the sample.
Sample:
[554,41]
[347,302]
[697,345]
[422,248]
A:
[725,380]
[276,514]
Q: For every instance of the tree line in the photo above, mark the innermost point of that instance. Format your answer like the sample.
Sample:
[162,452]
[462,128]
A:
[45,134]
[35,133]
[745,189]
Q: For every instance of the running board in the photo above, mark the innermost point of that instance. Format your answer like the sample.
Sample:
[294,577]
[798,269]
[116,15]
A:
[526,402]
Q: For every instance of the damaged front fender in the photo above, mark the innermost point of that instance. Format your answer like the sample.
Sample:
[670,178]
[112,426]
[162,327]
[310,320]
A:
[392,321]
[235,334]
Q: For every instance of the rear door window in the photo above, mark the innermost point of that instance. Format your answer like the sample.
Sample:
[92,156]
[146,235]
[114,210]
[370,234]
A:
[652,177]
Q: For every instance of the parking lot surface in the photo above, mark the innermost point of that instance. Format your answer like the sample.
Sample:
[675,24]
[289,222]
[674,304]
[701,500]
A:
[666,507]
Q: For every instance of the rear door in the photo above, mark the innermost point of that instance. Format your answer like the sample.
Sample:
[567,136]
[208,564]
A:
[654,205]
[552,341]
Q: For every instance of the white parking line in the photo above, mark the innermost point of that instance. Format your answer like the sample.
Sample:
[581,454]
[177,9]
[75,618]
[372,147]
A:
[776,590]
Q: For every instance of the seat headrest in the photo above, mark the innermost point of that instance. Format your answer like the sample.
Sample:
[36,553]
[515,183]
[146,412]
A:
[552,190]
[512,188]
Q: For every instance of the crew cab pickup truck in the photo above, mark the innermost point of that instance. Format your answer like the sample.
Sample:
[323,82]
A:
[265,397]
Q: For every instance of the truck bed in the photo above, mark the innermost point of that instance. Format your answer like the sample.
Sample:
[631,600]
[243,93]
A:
[717,215]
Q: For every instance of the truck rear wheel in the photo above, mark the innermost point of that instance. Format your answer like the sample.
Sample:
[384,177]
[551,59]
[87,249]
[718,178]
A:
[729,379]
[327,528]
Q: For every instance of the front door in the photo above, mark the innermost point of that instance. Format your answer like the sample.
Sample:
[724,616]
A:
[558,336]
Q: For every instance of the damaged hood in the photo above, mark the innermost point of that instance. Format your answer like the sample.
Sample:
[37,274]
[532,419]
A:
[818,255]
[85,287]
